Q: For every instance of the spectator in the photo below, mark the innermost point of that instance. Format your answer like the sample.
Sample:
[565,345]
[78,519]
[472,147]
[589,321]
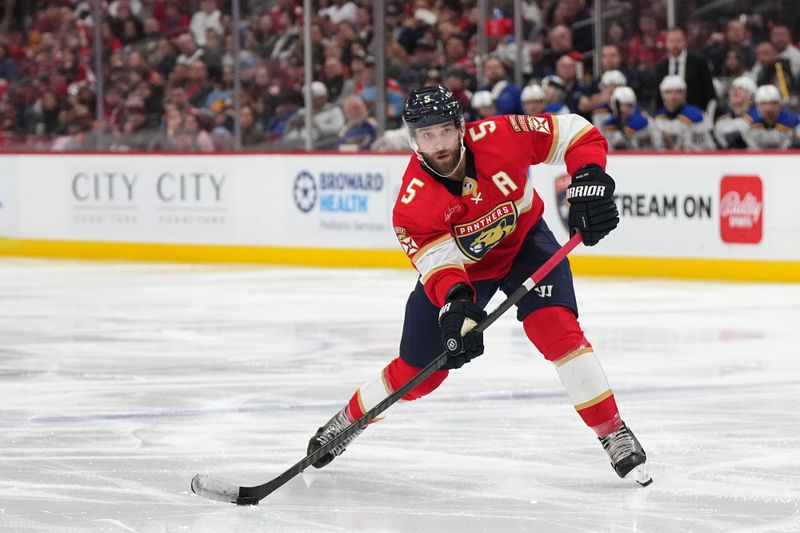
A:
[327,121]
[8,65]
[166,139]
[367,90]
[209,17]
[341,10]
[199,139]
[645,51]
[627,128]
[506,94]
[252,133]
[735,118]
[199,85]
[738,39]
[734,67]
[533,100]
[770,69]
[43,117]
[134,134]
[189,51]
[359,131]
[455,79]
[693,70]
[554,94]
[339,87]
[567,69]
[483,105]
[610,59]
[559,44]
[608,83]
[648,48]
[772,126]
[781,37]
[679,125]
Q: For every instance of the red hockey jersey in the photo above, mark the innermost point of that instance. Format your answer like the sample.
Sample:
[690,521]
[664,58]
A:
[460,232]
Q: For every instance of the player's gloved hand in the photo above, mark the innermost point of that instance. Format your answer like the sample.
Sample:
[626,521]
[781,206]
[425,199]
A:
[592,210]
[456,318]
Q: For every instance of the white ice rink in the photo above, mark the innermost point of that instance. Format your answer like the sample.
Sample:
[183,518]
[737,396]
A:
[120,381]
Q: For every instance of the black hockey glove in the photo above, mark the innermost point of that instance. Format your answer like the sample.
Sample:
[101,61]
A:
[458,314]
[592,210]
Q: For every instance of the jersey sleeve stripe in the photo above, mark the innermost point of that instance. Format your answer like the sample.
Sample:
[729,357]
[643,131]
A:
[425,249]
[430,274]
[445,254]
[570,129]
[580,134]
[554,142]
[525,203]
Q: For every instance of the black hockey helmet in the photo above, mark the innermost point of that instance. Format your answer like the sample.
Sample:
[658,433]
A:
[432,105]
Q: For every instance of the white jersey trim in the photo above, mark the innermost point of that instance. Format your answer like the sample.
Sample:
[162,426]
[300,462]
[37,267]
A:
[567,130]
[440,255]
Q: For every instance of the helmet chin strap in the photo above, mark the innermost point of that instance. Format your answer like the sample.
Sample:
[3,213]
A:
[460,157]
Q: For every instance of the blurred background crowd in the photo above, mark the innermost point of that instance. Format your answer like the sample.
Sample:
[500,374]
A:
[726,75]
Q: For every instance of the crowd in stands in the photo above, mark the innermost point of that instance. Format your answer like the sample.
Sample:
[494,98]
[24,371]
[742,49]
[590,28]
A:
[728,76]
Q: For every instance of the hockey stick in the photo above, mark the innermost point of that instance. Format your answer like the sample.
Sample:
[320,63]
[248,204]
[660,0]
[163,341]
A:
[215,489]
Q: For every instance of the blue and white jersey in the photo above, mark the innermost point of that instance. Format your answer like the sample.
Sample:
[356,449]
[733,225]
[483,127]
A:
[556,108]
[601,114]
[729,128]
[635,134]
[685,129]
[783,134]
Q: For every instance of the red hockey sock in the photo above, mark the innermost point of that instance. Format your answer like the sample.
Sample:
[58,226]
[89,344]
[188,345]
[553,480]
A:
[556,333]
[395,375]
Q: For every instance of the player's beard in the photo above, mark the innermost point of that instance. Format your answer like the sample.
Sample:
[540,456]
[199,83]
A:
[441,165]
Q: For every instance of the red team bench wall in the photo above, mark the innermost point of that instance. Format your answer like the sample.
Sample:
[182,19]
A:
[721,215]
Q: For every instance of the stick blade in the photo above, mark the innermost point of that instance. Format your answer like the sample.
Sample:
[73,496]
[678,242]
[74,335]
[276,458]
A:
[215,489]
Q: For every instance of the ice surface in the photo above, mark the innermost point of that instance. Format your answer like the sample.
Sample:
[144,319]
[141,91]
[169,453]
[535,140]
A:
[120,381]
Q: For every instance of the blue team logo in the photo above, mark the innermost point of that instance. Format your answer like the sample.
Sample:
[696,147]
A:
[561,184]
[305,191]
[476,238]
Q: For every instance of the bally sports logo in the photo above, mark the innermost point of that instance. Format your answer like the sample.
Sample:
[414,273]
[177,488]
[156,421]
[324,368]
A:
[741,209]
[476,238]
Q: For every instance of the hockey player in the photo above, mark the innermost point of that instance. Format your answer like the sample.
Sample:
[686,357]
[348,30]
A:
[772,126]
[627,128]
[483,104]
[554,93]
[732,121]
[609,81]
[681,126]
[469,220]
[532,98]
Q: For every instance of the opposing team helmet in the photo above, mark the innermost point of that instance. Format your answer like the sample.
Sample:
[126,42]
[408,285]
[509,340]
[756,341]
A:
[531,93]
[768,93]
[482,99]
[672,83]
[613,77]
[746,83]
[621,95]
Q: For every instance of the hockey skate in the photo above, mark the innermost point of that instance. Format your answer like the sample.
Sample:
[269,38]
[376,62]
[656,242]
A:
[326,433]
[626,455]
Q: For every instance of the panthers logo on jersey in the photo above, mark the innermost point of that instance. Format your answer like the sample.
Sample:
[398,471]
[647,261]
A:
[476,238]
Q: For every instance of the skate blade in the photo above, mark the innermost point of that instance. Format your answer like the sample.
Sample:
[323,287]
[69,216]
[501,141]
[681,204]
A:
[640,476]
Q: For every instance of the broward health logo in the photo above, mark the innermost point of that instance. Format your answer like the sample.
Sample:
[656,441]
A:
[305,191]
[336,192]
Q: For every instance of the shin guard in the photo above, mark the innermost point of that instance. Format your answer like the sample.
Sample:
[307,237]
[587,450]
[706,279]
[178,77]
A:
[556,333]
[396,374]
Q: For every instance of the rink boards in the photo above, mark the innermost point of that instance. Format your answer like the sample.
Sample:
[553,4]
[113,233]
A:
[712,215]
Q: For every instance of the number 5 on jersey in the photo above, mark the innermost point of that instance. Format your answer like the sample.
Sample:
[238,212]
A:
[411,191]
